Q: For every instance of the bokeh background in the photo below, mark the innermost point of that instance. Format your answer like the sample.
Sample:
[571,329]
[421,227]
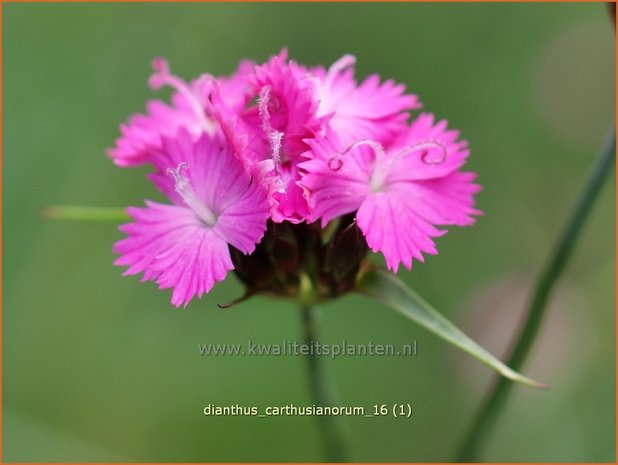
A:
[97,367]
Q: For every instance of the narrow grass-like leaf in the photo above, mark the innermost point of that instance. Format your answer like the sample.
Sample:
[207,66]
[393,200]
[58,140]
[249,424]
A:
[387,289]
[77,213]
[556,264]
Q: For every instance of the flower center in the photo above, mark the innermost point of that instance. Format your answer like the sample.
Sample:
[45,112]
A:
[184,188]
[162,76]
[431,153]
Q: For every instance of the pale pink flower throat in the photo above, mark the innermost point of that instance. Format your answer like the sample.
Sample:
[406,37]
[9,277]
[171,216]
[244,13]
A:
[183,187]
[431,153]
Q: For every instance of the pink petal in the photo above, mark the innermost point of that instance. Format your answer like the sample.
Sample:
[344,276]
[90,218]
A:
[392,227]
[236,90]
[334,192]
[293,104]
[169,245]
[142,135]
[444,201]
[371,110]
[414,166]
[288,198]
[220,181]
[243,214]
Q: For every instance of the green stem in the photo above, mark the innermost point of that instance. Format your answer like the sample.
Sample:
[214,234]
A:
[322,390]
[553,269]
[77,213]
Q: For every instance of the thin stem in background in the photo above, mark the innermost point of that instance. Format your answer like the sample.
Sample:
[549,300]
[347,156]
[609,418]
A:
[322,390]
[543,288]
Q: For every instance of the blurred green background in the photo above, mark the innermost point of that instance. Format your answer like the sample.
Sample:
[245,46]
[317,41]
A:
[98,367]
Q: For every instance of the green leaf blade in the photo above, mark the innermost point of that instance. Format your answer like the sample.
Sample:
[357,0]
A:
[79,213]
[386,288]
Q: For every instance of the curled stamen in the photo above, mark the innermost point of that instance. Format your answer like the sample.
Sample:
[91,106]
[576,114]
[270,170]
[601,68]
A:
[179,180]
[335,163]
[427,151]
[431,152]
[162,76]
[275,137]
[376,146]
[183,187]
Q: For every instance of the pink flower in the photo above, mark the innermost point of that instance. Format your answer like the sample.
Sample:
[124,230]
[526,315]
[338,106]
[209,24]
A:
[272,150]
[185,246]
[399,193]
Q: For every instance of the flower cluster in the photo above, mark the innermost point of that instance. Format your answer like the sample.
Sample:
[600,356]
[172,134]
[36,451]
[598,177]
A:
[282,171]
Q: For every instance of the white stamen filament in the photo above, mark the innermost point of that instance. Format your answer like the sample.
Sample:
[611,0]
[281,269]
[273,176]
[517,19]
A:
[382,167]
[183,187]
[162,76]
[339,66]
[335,163]
[275,137]
[425,148]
